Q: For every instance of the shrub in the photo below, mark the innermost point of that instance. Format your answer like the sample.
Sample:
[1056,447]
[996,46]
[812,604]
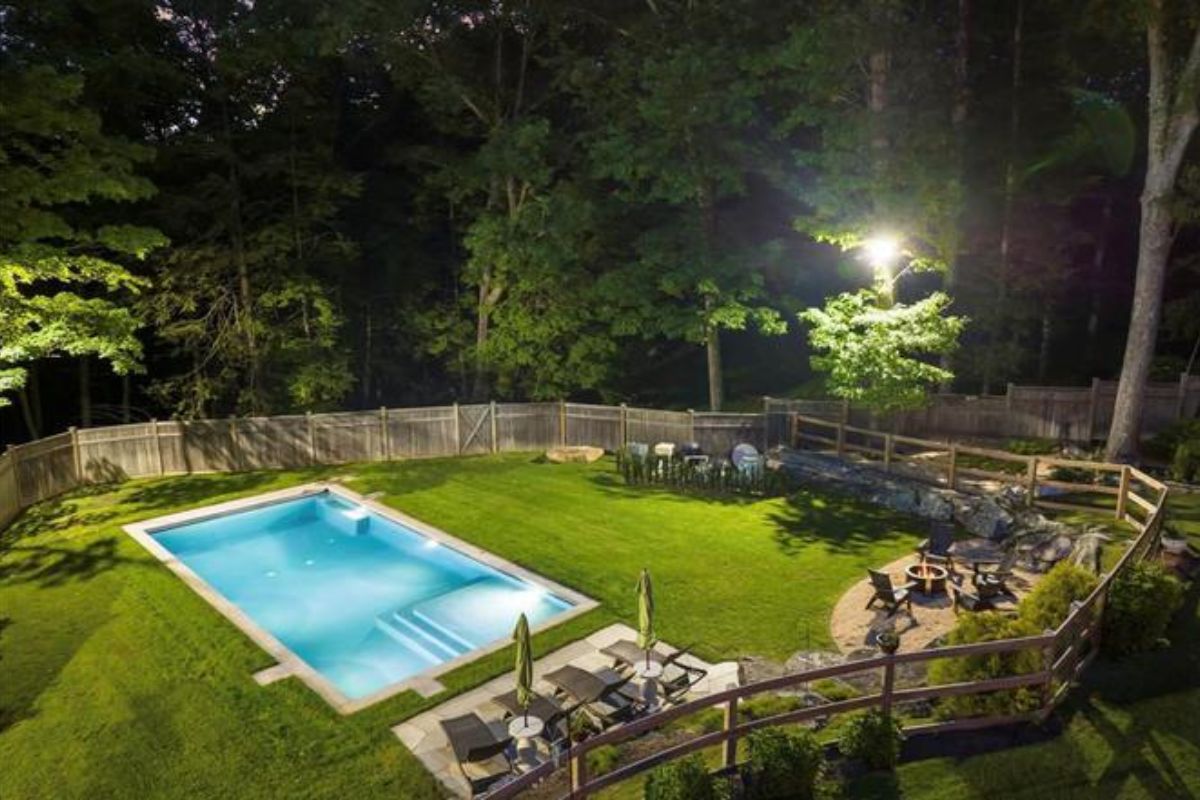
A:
[1139,608]
[987,626]
[685,779]
[783,764]
[603,759]
[873,738]
[1164,444]
[1050,601]
[1185,461]
[1031,447]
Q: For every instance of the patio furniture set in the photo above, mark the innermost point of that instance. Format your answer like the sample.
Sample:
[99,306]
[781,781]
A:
[604,697]
[937,573]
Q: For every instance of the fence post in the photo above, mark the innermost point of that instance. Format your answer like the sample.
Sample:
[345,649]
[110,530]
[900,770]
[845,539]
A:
[492,415]
[562,423]
[691,425]
[158,456]
[312,438]
[1031,482]
[841,438]
[888,444]
[75,456]
[1093,402]
[794,434]
[729,759]
[889,682]
[235,443]
[385,439]
[1181,395]
[579,775]
[624,424]
[1008,398]
[1048,654]
[457,431]
[1123,492]
[952,467]
[845,411]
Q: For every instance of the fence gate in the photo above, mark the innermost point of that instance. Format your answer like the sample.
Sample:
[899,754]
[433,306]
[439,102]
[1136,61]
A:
[476,428]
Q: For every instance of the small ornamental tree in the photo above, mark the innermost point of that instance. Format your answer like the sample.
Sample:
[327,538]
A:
[883,358]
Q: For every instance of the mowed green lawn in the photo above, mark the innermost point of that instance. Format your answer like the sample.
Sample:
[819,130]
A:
[118,681]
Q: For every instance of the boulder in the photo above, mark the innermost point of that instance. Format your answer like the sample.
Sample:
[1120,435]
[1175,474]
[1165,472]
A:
[574,454]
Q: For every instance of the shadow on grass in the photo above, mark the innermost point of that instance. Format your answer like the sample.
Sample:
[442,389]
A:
[184,490]
[49,565]
[837,523]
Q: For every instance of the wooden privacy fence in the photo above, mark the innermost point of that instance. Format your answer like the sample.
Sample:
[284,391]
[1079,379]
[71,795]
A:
[1078,414]
[1061,655]
[39,470]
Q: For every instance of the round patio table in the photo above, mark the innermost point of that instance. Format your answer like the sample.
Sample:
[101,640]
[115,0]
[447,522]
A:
[649,672]
[525,729]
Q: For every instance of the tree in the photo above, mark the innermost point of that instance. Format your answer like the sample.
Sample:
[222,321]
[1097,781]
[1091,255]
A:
[882,356]
[676,126]
[1173,115]
[63,287]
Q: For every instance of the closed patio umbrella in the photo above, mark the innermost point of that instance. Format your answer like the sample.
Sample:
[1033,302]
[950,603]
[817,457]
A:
[524,665]
[645,592]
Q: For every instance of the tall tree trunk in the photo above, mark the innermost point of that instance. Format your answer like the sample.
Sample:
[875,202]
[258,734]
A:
[1173,118]
[238,240]
[958,122]
[85,392]
[712,331]
[27,413]
[1000,311]
[1095,280]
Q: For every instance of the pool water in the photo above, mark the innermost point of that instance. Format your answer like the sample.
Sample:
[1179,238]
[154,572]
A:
[362,599]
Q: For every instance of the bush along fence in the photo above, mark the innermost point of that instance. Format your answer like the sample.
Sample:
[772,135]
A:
[1073,414]
[1047,665]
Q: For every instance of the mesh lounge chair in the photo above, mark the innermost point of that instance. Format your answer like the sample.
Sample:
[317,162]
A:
[481,755]
[601,698]
[677,676]
[552,713]
[890,595]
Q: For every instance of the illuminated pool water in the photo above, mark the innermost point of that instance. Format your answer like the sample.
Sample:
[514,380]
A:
[362,599]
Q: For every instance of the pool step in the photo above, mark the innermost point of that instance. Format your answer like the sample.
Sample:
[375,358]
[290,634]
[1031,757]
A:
[417,634]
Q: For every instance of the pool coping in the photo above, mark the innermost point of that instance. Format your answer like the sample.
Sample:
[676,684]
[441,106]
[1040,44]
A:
[423,682]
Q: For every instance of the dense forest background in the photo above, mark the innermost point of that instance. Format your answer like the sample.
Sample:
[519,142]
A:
[364,203]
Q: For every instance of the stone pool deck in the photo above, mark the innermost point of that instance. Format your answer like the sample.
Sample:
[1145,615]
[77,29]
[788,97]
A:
[854,626]
[424,737]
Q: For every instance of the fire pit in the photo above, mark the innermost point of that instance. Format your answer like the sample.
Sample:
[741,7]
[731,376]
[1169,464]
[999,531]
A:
[930,578]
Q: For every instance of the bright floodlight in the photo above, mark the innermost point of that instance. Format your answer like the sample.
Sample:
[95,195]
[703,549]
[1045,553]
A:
[881,251]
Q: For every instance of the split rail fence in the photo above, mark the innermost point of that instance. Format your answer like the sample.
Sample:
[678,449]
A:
[1061,654]
[40,470]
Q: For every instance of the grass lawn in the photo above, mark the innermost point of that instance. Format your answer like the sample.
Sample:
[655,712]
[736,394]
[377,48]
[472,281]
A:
[1132,730]
[116,680]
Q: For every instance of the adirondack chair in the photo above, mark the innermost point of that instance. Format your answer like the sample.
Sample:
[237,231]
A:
[890,595]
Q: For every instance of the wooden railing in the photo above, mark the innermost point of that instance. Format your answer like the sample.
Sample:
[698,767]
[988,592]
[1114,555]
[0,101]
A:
[1063,653]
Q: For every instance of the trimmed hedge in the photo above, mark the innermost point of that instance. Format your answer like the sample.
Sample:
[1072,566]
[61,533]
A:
[1141,602]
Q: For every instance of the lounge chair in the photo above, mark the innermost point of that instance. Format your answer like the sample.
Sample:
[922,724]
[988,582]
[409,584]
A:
[890,595]
[481,755]
[677,677]
[602,698]
[550,712]
[941,536]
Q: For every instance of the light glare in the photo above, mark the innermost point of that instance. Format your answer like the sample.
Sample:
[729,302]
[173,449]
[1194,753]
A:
[882,250]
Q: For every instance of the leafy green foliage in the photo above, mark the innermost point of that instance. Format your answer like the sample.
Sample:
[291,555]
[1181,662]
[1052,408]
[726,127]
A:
[879,356]
[1049,604]
[63,279]
[783,764]
[1139,607]
[874,738]
[685,779]
[987,626]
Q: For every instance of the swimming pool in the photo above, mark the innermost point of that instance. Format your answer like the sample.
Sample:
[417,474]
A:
[358,598]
